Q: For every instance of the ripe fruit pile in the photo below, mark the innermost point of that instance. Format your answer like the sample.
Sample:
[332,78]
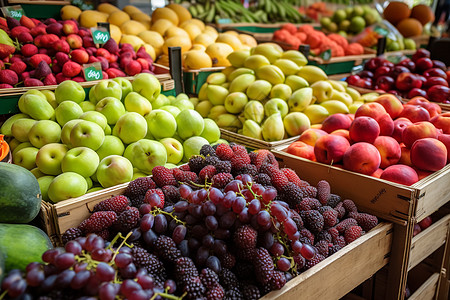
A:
[418,76]
[409,22]
[316,10]
[318,41]
[398,142]
[268,94]
[75,146]
[50,52]
[227,225]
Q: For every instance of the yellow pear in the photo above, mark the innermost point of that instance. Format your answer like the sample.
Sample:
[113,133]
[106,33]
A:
[132,27]
[150,50]
[70,12]
[89,18]
[177,41]
[247,39]
[229,39]
[196,59]
[107,8]
[204,39]
[218,53]
[135,41]
[199,47]
[198,22]
[165,13]
[140,16]
[118,17]
[115,32]
[161,26]
[175,32]
[182,13]
[131,9]
[154,39]
[192,29]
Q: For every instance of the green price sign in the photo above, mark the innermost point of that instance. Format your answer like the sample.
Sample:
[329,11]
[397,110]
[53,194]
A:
[93,71]
[15,11]
[100,36]
[326,55]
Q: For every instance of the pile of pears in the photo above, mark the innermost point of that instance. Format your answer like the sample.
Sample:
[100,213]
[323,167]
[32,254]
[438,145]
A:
[271,94]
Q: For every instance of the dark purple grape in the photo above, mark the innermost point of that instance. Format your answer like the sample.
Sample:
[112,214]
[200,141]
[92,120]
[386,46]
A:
[184,248]
[138,295]
[296,247]
[123,259]
[258,188]
[246,179]
[195,210]
[179,233]
[227,220]
[277,249]
[101,254]
[239,205]
[267,240]
[145,209]
[93,241]
[198,231]
[82,241]
[17,288]
[244,216]
[214,264]
[107,291]
[129,271]
[289,227]
[64,279]
[268,195]
[229,199]
[220,247]
[254,207]
[150,237]
[33,265]
[308,252]
[80,279]
[147,222]
[193,198]
[193,243]
[145,281]
[80,267]
[202,195]
[49,255]
[135,235]
[202,256]
[221,210]
[105,272]
[191,220]
[48,284]
[222,234]
[64,260]
[283,264]
[263,218]
[279,212]
[208,208]
[234,185]
[185,191]
[73,247]
[13,275]
[215,195]
[125,249]
[181,206]
[208,241]
[128,286]
[35,277]
[172,224]
[153,199]
[160,225]
[211,223]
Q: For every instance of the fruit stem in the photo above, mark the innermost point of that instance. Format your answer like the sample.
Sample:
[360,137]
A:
[168,296]
[157,211]
[3,294]
[124,242]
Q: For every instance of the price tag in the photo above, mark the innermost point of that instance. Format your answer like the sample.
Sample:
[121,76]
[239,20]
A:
[93,71]
[15,11]
[100,34]
[326,55]
[224,21]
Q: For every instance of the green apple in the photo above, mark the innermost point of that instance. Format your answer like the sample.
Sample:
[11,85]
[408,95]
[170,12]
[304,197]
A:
[193,145]
[36,106]
[26,157]
[254,110]
[87,134]
[295,123]
[107,88]
[125,85]
[174,150]
[114,170]
[96,117]
[49,157]
[161,124]
[81,160]
[65,132]
[316,113]
[111,108]
[87,106]
[322,90]
[282,91]
[146,154]
[138,174]
[112,145]
[66,111]
[190,123]
[216,111]
[216,94]
[21,146]
[172,109]
[89,182]
[194,101]
[160,101]
[276,105]
[220,141]
[235,102]
[107,130]
[67,185]
[171,98]
[170,166]
[20,129]
[44,183]
[51,98]
[70,90]
[44,132]
[92,97]
[37,173]
[13,144]
[147,85]
[130,128]
[183,104]
[203,108]
[341,96]
[134,102]
[300,99]
[211,131]
[94,189]
[5,129]
[182,96]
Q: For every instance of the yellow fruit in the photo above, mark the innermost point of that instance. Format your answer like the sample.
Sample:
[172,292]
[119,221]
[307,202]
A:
[196,59]
[229,39]
[248,40]
[175,31]
[118,17]
[131,9]
[154,39]
[192,29]
[165,13]
[177,41]
[107,8]
[232,32]
[140,16]
[115,32]
[204,39]
[198,22]
[70,12]
[182,13]
[163,60]
[133,40]
[132,27]
[150,50]
[218,53]
[161,26]
[198,47]
[146,24]
[275,45]
[89,18]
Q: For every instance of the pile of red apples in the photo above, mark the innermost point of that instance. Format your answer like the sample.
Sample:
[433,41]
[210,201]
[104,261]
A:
[418,76]
[402,143]
[50,52]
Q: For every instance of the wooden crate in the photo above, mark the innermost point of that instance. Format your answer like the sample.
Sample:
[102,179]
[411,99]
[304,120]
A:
[253,143]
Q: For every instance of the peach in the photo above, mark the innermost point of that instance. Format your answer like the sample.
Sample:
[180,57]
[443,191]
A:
[386,125]
[372,109]
[316,126]
[415,113]
[377,173]
[302,149]
[391,104]
[418,131]
[389,149]
[405,156]
[310,136]
[433,108]
[362,158]
[335,122]
[330,148]
[399,125]
[422,173]
[429,154]
[445,139]
[400,174]
[342,132]
[364,129]
[442,122]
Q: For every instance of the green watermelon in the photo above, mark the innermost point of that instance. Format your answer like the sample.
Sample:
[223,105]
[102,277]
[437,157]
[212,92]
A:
[20,195]
[21,244]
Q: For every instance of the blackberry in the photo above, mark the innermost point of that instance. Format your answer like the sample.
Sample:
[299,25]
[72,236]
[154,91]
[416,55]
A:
[245,237]
[228,260]
[104,234]
[345,224]
[163,176]
[194,288]
[300,261]
[209,278]
[366,221]
[207,150]
[324,235]
[313,220]
[349,206]
[116,204]
[278,280]
[297,219]
[166,248]
[309,237]
[291,194]
[233,294]
[139,186]
[340,209]
[263,263]
[137,200]
[171,194]
[251,292]
[185,269]
[196,163]
[215,293]
[330,216]
[333,200]
[127,220]
[245,254]
[309,191]
[307,204]
[316,259]
[322,247]
[71,234]
[98,221]
[155,267]
[253,155]
[220,180]
[228,279]
[263,179]
[223,166]
[244,270]
[333,249]
[141,258]
[247,169]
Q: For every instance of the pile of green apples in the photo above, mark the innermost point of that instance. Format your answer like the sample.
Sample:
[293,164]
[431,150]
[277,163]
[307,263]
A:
[75,146]
[271,95]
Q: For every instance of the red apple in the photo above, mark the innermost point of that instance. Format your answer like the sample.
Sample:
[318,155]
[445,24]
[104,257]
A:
[353,79]
[302,150]
[407,81]
[432,81]
[415,113]
[385,83]
[439,93]
[435,72]
[365,74]
[417,131]
[310,136]
[408,63]
[381,71]
[365,83]
[397,70]
[400,174]
[421,52]
[417,229]
[389,149]
[416,92]
[439,64]
[425,223]
[429,154]
[362,158]
[335,122]
[330,148]
[373,64]
[424,63]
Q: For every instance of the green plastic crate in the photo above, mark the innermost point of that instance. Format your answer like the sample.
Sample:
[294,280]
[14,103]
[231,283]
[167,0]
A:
[40,11]
[194,79]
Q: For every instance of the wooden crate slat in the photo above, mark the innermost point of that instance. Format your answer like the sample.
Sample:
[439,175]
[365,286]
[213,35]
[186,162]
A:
[364,257]
[252,142]
[427,290]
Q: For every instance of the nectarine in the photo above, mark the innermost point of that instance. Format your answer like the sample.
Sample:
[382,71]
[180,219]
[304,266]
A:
[389,149]
[400,174]
[330,148]
[362,158]
[429,154]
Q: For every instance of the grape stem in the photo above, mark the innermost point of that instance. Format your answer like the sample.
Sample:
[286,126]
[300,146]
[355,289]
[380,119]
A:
[167,296]
[124,242]
[3,294]
[156,211]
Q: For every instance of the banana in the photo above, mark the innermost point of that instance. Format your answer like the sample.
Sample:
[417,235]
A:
[193,10]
